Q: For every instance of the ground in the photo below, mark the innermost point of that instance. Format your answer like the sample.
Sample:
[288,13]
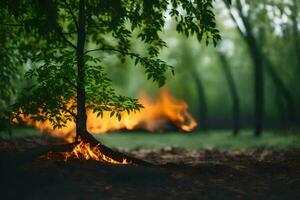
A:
[255,170]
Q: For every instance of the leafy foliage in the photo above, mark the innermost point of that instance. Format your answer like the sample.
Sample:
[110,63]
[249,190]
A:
[51,30]
[10,61]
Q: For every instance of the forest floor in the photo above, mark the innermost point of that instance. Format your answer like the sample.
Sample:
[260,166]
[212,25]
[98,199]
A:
[177,173]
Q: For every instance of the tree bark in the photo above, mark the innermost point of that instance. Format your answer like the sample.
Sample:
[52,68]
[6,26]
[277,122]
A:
[233,93]
[81,118]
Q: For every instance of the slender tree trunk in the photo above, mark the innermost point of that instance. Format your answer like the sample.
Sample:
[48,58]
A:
[233,93]
[202,99]
[258,86]
[81,119]
[81,129]
[257,59]
[259,99]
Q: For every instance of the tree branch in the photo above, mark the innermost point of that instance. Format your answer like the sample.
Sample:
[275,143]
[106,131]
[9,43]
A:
[122,52]
[60,33]
[69,33]
[70,82]
[234,20]
[71,12]
[68,111]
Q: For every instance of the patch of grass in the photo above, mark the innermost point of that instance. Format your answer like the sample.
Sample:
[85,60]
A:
[209,140]
[212,139]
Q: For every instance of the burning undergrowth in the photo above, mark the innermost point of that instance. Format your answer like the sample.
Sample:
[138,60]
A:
[153,117]
[86,151]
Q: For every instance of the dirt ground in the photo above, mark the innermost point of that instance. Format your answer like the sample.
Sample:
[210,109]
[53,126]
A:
[177,174]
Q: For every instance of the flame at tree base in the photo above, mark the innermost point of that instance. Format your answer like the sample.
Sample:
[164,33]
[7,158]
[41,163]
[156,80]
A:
[83,150]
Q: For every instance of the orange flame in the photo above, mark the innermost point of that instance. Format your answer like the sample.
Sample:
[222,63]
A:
[152,118]
[85,151]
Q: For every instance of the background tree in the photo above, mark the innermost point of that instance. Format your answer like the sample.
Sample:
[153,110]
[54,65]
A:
[12,56]
[188,64]
[260,62]
[233,91]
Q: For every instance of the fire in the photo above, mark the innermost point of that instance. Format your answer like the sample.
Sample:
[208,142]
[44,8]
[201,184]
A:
[84,150]
[152,118]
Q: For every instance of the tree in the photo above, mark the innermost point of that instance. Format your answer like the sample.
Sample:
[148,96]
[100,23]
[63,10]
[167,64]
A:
[260,62]
[233,92]
[68,73]
[258,70]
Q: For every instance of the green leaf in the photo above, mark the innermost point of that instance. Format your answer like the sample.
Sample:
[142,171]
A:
[112,113]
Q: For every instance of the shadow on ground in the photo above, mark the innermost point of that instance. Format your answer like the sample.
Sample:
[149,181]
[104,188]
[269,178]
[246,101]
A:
[177,174]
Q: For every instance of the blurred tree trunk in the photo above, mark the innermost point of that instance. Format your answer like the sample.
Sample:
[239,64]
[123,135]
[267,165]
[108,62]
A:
[284,99]
[281,110]
[281,89]
[203,113]
[296,36]
[233,93]
[256,56]
[190,64]
[294,17]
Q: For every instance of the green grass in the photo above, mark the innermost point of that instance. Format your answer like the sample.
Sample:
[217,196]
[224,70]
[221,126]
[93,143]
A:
[209,140]
[213,139]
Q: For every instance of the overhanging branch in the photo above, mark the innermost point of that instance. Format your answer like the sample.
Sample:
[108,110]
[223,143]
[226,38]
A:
[121,52]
